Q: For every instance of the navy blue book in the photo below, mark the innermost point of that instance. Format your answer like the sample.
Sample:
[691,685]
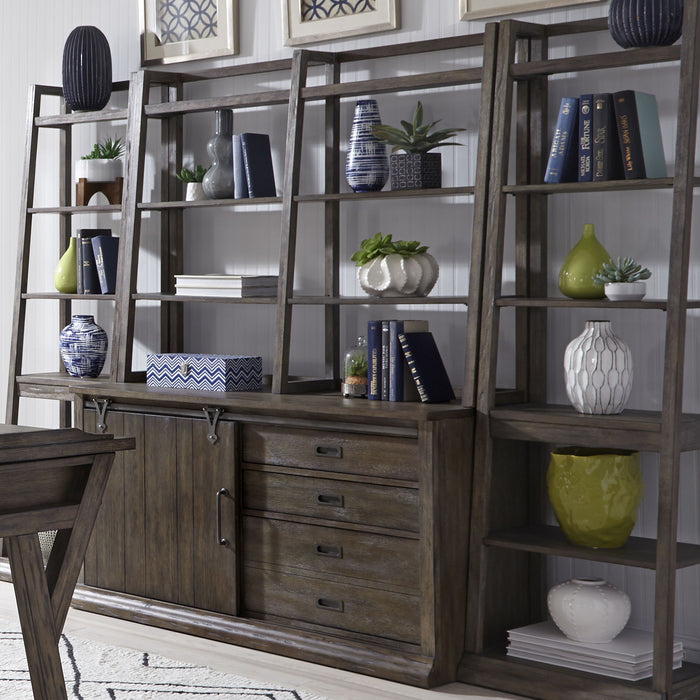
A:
[401,384]
[81,234]
[106,252]
[374,360]
[385,361]
[257,162]
[585,138]
[563,155]
[426,367]
[240,184]
[607,161]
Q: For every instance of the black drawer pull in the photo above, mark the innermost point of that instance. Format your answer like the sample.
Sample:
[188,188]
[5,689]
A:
[328,451]
[329,550]
[325,499]
[330,604]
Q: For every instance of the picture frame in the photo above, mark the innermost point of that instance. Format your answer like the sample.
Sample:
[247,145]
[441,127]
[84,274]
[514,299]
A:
[304,21]
[478,9]
[166,36]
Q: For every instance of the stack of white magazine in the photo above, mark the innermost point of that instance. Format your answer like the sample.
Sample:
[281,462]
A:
[629,656]
[226,285]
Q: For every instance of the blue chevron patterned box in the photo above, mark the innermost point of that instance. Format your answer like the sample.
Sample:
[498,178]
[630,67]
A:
[204,372]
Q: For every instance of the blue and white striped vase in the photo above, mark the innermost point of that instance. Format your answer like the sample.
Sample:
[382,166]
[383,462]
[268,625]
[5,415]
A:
[83,347]
[367,165]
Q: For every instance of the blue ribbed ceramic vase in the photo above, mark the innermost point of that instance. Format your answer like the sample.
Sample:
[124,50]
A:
[367,165]
[87,69]
[636,23]
[83,347]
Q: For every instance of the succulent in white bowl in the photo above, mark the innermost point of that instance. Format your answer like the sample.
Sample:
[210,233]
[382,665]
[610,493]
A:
[395,268]
[623,279]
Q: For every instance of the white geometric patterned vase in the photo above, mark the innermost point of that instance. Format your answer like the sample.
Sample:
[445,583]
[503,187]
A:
[598,370]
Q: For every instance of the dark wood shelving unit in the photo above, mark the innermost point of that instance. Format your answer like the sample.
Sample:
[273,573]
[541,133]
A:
[509,539]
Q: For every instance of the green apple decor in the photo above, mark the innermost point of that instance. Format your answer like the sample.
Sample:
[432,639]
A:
[582,263]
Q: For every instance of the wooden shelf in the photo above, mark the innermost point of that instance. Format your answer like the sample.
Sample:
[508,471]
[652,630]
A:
[63,120]
[208,203]
[91,209]
[182,298]
[658,183]
[78,297]
[639,552]
[385,194]
[561,302]
[386,301]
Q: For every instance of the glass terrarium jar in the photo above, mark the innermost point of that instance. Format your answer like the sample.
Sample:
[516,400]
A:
[355,370]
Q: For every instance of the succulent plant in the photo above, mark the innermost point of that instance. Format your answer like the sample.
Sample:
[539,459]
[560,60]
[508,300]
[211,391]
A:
[196,175]
[109,149]
[357,365]
[621,270]
[378,245]
[416,136]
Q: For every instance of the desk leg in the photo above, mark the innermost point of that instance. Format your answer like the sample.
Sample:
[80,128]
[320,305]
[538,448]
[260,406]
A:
[36,616]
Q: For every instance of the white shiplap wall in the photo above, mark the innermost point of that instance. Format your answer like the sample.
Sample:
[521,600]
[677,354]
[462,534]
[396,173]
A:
[31,52]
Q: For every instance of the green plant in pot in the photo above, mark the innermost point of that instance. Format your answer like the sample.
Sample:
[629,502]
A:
[193,181]
[103,163]
[415,168]
[623,279]
[395,268]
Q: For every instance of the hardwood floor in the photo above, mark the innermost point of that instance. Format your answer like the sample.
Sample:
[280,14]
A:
[334,684]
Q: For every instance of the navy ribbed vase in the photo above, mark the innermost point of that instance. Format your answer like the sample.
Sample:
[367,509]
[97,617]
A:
[636,23]
[87,69]
[367,166]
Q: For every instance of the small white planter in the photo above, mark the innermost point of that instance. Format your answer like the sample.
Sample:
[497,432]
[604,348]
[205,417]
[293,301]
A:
[194,192]
[98,169]
[396,276]
[625,291]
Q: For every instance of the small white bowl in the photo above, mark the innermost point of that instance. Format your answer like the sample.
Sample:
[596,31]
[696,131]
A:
[625,291]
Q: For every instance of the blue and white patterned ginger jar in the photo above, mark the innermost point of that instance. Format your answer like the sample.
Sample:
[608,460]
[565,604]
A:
[367,165]
[83,347]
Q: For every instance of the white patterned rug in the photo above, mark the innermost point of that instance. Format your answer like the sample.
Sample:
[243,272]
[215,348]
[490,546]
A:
[94,671]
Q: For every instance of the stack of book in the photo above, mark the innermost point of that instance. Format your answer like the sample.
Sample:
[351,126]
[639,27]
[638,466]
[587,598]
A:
[226,285]
[97,252]
[606,136]
[629,656]
[404,363]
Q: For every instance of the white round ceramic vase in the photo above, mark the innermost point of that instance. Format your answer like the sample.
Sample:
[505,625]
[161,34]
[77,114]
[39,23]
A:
[598,370]
[589,609]
[395,275]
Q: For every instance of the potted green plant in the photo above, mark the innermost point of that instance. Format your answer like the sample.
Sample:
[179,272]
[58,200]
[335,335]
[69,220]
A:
[193,180]
[417,168]
[622,279]
[103,163]
[395,268]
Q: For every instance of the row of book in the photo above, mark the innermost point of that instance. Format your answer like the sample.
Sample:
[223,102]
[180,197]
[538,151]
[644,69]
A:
[226,285]
[96,254]
[629,656]
[404,363]
[606,136]
[253,174]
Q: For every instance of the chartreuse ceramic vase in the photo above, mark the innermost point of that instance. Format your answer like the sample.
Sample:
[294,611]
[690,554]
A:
[65,276]
[595,494]
[584,260]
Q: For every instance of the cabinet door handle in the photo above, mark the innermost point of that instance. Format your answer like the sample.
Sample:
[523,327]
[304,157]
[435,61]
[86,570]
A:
[329,550]
[325,499]
[328,451]
[330,604]
[219,494]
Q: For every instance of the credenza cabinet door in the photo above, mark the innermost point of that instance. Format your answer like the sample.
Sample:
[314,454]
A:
[167,526]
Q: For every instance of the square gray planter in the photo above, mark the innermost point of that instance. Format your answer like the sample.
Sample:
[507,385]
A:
[416,171]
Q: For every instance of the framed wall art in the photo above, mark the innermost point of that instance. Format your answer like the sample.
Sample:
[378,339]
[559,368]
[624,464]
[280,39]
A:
[185,30]
[476,9]
[306,21]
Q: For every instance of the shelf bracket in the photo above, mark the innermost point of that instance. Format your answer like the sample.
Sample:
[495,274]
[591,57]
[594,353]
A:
[212,416]
[101,406]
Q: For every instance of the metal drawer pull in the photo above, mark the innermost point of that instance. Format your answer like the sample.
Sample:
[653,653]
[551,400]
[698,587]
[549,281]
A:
[329,550]
[324,499]
[330,604]
[220,540]
[328,451]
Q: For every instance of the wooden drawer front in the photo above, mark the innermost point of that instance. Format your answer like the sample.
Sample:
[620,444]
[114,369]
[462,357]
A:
[333,499]
[379,558]
[371,455]
[338,605]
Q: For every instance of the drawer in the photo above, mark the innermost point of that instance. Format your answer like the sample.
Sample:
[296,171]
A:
[370,455]
[342,606]
[330,550]
[332,499]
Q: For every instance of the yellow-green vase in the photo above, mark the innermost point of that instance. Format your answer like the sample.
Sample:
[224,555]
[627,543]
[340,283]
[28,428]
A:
[65,277]
[584,260]
[595,494]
